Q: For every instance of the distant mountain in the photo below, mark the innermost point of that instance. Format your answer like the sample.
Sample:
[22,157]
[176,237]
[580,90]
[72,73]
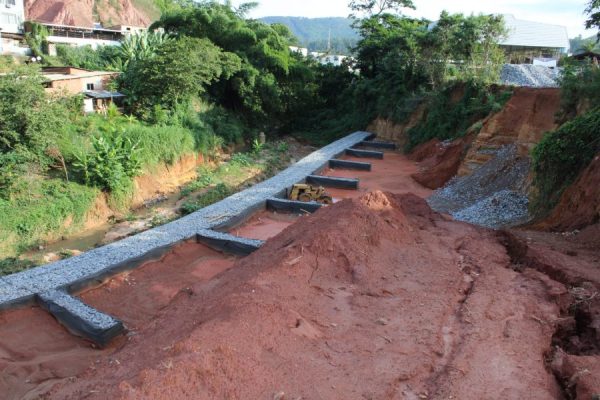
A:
[314,32]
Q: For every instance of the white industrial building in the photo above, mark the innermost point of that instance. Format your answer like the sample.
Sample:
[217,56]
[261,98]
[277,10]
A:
[534,42]
[12,15]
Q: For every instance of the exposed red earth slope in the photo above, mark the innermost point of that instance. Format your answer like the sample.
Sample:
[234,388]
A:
[579,206]
[376,298]
[439,161]
[86,12]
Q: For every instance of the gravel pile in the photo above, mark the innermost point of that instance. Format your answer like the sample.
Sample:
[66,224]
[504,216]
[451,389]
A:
[529,75]
[504,208]
[494,195]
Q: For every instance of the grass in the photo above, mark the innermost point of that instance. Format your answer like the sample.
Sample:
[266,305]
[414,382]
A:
[46,210]
[222,181]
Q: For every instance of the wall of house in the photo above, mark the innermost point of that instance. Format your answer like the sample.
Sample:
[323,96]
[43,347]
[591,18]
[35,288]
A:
[12,15]
[78,85]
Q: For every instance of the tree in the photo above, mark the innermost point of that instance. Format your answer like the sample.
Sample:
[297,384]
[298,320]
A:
[593,12]
[179,70]
[378,7]
[29,120]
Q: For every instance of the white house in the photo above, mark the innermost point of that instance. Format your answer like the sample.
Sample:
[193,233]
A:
[12,15]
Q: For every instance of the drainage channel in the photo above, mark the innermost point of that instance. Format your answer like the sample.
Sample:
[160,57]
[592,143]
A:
[51,286]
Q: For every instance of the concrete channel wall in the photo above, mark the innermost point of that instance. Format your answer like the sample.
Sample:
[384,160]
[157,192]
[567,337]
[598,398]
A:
[56,280]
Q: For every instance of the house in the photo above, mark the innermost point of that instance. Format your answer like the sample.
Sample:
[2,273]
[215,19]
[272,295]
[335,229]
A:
[529,41]
[92,84]
[12,15]
[300,50]
[85,36]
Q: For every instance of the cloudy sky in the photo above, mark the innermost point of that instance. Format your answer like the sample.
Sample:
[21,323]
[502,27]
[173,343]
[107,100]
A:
[561,12]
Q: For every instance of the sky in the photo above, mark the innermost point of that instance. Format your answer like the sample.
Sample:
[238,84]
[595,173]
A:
[561,12]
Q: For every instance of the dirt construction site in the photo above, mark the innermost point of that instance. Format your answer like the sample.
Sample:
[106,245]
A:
[395,291]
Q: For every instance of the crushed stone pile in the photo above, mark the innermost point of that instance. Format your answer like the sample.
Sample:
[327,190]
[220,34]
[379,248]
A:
[493,196]
[500,209]
[527,75]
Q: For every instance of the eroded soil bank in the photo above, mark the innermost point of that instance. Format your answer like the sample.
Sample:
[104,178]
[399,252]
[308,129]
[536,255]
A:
[375,297]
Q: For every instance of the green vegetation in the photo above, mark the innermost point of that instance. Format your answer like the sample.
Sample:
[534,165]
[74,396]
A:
[213,79]
[220,182]
[448,119]
[561,156]
[580,88]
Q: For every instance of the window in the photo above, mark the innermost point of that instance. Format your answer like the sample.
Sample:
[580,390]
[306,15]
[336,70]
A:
[11,2]
[90,86]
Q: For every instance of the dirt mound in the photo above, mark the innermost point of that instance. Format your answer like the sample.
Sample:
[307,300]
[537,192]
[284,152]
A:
[523,121]
[86,12]
[315,314]
[439,161]
[579,206]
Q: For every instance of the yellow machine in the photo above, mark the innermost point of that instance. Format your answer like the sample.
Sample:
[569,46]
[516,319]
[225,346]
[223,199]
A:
[303,192]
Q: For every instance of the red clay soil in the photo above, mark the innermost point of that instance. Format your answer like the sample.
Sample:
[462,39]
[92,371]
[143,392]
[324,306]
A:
[439,161]
[371,298]
[392,174]
[264,225]
[524,119]
[36,353]
[86,12]
[579,206]
[139,296]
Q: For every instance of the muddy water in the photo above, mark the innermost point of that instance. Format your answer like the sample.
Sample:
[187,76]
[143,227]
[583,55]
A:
[264,225]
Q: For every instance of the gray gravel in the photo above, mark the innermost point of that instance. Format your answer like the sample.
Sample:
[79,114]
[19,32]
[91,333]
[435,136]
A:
[494,195]
[77,272]
[504,208]
[528,75]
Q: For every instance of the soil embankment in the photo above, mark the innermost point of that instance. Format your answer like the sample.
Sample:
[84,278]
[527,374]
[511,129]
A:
[579,206]
[320,318]
[315,312]
[523,120]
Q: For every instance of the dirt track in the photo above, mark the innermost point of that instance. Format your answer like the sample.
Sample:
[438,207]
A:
[376,297]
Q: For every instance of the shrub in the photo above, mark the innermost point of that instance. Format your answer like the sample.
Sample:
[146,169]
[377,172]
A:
[560,157]
[448,119]
[112,164]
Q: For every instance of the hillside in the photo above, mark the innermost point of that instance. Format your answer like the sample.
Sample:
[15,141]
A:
[314,32]
[87,12]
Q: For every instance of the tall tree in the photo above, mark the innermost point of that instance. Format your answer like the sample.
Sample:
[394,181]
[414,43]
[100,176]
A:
[378,7]
[593,12]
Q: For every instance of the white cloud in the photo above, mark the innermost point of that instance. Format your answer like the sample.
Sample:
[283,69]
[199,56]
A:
[561,12]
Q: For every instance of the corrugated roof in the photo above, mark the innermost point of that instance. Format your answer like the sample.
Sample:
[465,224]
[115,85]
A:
[534,34]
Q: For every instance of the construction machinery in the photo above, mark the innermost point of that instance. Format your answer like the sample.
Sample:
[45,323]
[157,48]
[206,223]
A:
[306,193]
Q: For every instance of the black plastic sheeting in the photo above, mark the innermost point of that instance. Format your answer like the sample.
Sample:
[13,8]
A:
[365,154]
[353,165]
[333,182]
[81,324]
[291,206]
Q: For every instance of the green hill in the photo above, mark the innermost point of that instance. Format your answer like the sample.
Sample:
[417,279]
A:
[314,32]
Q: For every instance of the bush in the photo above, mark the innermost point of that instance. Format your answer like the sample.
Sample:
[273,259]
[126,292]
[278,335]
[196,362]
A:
[560,157]
[447,119]
[113,162]
[40,213]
